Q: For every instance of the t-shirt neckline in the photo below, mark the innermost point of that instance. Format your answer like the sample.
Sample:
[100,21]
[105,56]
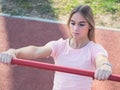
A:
[68,42]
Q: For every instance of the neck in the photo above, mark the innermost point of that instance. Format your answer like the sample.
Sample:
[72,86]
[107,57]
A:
[75,43]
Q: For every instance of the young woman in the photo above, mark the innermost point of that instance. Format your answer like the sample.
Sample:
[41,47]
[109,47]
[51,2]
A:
[78,51]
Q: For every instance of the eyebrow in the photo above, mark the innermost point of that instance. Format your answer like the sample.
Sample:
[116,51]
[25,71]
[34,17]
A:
[79,22]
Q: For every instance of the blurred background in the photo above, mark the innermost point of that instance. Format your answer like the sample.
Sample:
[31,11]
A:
[20,32]
[107,12]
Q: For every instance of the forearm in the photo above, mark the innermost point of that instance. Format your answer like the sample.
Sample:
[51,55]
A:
[28,52]
[103,68]
[33,52]
[102,60]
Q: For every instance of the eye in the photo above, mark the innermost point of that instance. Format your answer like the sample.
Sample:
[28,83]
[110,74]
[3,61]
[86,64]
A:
[72,23]
[82,24]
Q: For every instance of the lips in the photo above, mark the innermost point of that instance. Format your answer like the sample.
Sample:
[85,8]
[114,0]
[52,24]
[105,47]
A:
[75,33]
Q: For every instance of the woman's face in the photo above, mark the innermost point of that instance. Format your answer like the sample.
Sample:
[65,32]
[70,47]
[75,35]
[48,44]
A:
[79,27]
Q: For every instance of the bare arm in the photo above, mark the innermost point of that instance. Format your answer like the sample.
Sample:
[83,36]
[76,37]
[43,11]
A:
[101,60]
[29,52]
[104,68]
[33,52]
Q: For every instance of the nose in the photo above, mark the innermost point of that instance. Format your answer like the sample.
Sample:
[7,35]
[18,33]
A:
[76,28]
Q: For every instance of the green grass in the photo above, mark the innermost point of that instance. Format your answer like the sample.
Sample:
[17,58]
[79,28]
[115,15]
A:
[98,6]
[55,8]
[60,9]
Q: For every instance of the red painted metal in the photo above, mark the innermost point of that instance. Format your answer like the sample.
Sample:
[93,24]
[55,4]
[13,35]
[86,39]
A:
[47,66]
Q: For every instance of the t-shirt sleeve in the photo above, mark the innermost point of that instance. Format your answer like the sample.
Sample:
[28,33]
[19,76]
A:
[98,49]
[55,46]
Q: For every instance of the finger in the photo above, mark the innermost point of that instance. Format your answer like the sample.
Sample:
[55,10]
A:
[8,58]
[95,75]
[97,72]
[0,57]
[100,74]
[108,73]
[104,75]
[5,58]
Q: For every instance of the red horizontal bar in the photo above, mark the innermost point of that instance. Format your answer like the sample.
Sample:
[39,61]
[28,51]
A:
[47,66]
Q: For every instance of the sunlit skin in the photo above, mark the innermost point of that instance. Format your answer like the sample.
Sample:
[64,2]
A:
[79,28]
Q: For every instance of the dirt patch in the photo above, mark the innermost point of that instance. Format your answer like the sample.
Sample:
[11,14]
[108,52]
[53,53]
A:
[108,20]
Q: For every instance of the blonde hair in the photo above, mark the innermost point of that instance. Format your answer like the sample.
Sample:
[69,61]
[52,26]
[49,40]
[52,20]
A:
[87,13]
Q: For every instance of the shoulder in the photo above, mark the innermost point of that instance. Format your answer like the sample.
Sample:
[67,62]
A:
[98,49]
[94,45]
[57,46]
[57,43]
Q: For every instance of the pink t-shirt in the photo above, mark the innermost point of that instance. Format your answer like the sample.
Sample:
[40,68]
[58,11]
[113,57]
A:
[83,58]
